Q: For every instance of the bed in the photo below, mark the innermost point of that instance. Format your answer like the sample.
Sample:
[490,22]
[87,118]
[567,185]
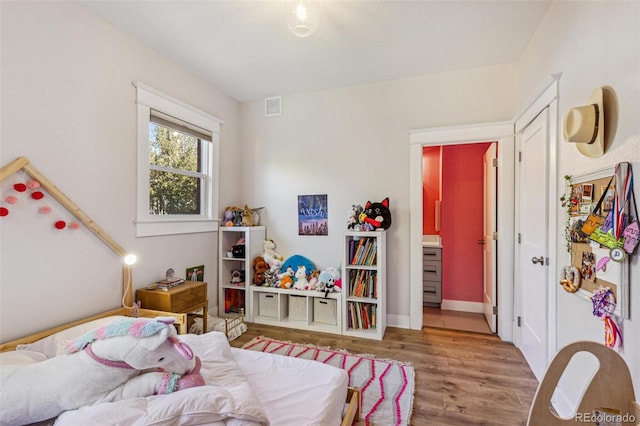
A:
[241,387]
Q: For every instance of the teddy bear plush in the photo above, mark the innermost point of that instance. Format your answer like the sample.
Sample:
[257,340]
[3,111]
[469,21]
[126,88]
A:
[259,269]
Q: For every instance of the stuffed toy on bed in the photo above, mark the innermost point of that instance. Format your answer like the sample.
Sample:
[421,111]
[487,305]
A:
[131,357]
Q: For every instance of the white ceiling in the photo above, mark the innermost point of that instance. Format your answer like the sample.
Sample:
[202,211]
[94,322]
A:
[245,48]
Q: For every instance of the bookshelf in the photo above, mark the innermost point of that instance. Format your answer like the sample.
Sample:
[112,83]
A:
[235,270]
[364,284]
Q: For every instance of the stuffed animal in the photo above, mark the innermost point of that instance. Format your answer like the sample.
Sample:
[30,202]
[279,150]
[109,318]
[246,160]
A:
[129,358]
[237,276]
[327,280]
[271,278]
[228,218]
[269,252]
[286,278]
[377,214]
[354,216]
[313,279]
[338,286]
[233,216]
[301,279]
[247,216]
[259,269]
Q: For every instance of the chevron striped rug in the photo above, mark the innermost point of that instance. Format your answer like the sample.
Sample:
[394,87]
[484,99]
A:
[387,385]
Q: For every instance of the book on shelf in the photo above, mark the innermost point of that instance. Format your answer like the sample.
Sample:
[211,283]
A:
[361,315]
[364,253]
[362,283]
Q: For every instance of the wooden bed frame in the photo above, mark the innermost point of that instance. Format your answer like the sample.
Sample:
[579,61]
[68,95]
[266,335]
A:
[352,412]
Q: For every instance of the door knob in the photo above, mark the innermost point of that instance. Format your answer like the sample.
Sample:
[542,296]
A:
[481,242]
[539,260]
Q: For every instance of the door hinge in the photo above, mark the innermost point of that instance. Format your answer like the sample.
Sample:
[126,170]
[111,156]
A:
[494,236]
[519,321]
[519,156]
[495,310]
[519,238]
[494,162]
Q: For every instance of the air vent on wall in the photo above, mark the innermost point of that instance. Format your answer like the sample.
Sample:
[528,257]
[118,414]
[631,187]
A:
[272,106]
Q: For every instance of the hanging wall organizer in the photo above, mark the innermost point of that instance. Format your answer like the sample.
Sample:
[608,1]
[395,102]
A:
[601,218]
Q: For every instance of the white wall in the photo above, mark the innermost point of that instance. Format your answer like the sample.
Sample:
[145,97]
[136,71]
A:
[352,144]
[592,44]
[69,106]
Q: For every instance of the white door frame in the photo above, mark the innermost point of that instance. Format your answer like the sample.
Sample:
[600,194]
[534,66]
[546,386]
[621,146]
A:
[547,96]
[503,134]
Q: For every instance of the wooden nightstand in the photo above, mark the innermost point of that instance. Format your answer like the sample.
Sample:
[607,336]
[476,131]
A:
[186,298]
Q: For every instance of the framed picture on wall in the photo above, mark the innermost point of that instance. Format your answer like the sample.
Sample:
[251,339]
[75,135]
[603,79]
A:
[195,273]
[313,218]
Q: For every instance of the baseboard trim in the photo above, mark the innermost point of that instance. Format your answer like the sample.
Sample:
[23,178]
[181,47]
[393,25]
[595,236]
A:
[462,305]
[400,321]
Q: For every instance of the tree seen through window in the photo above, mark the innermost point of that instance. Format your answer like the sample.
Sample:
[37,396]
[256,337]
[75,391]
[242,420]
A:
[175,166]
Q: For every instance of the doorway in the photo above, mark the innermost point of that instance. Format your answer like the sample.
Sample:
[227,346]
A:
[502,133]
[455,187]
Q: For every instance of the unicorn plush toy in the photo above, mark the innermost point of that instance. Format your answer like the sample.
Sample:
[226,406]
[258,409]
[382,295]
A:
[131,357]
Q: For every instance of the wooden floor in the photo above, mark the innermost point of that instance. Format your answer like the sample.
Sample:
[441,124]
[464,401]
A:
[462,378]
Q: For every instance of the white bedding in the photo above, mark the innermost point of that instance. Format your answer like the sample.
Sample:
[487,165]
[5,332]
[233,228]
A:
[293,391]
[243,388]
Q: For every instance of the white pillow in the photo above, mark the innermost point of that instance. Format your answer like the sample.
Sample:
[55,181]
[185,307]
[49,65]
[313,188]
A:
[55,344]
[23,357]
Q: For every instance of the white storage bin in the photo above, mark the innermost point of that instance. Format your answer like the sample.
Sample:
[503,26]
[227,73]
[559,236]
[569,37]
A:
[325,311]
[297,308]
[268,305]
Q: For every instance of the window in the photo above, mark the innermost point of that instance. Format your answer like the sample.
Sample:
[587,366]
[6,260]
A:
[177,166]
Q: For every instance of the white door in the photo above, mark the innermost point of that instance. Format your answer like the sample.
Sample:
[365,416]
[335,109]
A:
[533,217]
[489,304]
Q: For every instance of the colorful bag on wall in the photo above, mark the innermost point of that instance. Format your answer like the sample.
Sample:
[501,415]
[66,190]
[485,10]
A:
[595,219]
[606,238]
[625,226]
[631,232]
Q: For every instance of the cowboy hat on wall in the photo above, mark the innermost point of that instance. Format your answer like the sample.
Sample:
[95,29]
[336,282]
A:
[585,125]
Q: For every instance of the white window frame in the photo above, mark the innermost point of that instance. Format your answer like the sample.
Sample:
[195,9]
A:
[147,224]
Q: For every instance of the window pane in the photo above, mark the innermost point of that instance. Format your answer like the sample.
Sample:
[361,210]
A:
[171,148]
[173,193]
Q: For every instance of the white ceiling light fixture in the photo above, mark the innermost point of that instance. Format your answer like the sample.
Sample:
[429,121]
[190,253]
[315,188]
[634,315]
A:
[303,18]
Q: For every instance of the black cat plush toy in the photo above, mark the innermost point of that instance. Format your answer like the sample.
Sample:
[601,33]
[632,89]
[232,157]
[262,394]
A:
[377,215]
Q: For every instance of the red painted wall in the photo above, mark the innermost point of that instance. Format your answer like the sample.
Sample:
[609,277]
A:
[462,200]
[430,187]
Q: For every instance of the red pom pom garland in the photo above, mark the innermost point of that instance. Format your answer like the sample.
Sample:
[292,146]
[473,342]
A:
[36,194]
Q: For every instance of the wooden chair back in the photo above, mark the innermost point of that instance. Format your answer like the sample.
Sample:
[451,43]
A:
[610,388]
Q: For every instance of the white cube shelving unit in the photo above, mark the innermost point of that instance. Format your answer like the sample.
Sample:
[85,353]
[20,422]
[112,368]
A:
[304,310]
[364,284]
[232,296]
